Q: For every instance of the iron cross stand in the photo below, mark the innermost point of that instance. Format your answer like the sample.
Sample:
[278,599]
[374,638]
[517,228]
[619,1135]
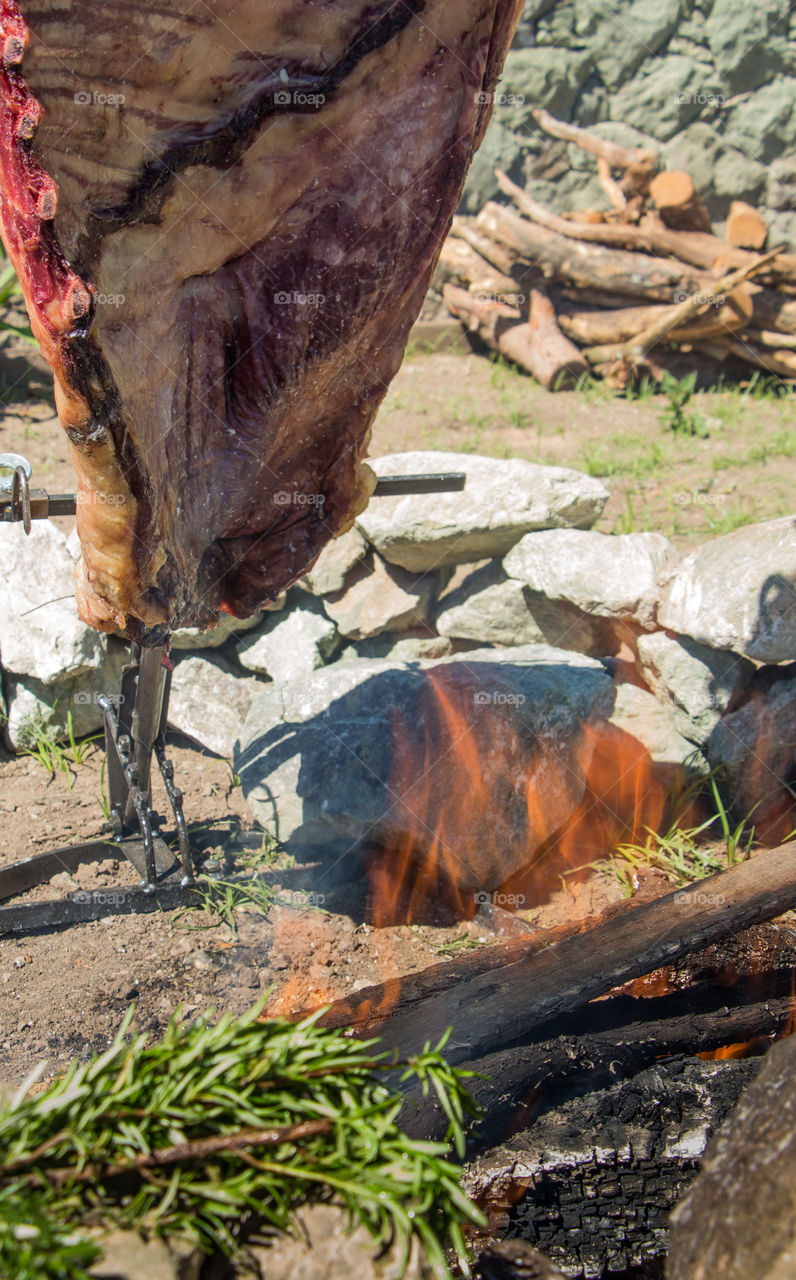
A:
[135,722]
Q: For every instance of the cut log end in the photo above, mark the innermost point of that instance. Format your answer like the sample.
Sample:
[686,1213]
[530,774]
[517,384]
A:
[745,228]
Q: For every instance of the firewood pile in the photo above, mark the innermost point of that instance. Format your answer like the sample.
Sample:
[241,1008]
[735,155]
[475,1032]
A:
[618,293]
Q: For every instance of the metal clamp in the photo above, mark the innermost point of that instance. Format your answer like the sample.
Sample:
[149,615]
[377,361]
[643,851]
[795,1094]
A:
[135,729]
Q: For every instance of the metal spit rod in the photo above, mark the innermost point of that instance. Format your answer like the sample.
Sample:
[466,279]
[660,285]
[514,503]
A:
[19,503]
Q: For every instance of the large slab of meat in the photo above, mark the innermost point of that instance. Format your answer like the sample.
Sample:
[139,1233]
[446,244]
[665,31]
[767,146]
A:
[225,215]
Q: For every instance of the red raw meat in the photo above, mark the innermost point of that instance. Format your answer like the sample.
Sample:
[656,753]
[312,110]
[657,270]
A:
[225,216]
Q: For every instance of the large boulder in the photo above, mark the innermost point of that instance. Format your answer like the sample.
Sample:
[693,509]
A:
[470,762]
[695,682]
[41,636]
[500,502]
[610,575]
[35,708]
[738,592]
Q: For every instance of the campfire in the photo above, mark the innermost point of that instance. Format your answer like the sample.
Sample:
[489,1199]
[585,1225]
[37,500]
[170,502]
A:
[474,728]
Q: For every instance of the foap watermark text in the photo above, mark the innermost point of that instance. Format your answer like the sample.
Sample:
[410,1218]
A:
[499,699]
[482,899]
[85,99]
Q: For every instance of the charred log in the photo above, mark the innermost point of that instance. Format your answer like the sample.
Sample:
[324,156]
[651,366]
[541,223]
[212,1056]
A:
[502,999]
[591,1184]
[738,1220]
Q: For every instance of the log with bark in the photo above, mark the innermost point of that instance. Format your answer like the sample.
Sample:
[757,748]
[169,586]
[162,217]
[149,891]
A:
[739,1218]
[589,265]
[223,239]
[656,245]
[536,344]
[675,197]
[502,998]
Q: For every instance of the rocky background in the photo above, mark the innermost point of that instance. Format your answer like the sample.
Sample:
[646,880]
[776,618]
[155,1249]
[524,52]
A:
[532,625]
[713,83]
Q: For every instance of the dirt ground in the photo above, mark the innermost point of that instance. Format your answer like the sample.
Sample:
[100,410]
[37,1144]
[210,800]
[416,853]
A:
[64,993]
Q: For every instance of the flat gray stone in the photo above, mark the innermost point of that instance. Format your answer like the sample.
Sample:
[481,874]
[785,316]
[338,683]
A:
[488,606]
[753,749]
[501,500]
[363,753]
[401,648]
[609,575]
[380,597]
[292,643]
[338,557]
[738,592]
[213,637]
[209,701]
[490,611]
[695,682]
[641,714]
[41,635]
[33,706]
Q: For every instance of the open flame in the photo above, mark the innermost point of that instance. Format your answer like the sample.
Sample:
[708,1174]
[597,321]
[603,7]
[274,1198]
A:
[489,813]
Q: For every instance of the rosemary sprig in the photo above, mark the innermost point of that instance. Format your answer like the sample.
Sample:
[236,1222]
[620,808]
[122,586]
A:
[215,1124]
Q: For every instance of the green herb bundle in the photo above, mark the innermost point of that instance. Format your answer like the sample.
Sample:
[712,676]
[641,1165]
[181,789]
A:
[215,1125]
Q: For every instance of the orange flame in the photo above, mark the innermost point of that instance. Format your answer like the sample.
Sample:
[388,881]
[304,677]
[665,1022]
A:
[502,824]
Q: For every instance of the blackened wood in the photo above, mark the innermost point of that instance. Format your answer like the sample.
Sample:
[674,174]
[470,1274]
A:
[515,1260]
[503,1005]
[508,1085]
[592,1183]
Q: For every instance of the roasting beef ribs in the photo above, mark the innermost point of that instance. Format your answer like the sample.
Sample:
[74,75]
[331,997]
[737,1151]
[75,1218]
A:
[225,215]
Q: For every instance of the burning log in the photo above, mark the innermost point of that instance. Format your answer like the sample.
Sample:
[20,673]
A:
[504,998]
[605,1042]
